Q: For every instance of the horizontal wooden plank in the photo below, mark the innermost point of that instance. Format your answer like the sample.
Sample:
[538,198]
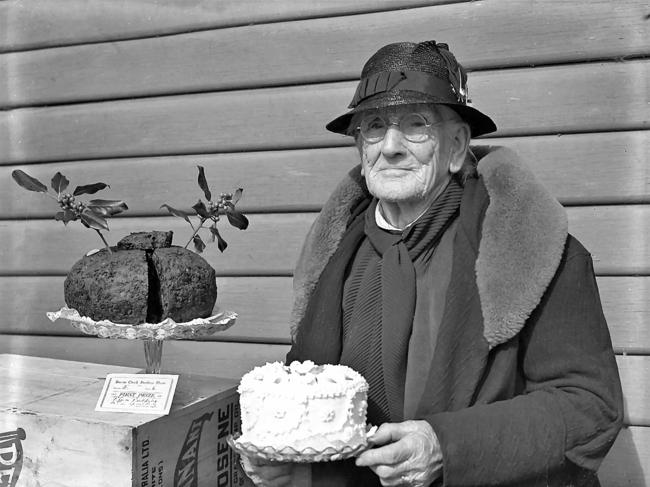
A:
[588,169]
[264,303]
[615,235]
[283,53]
[81,370]
[220,359]
[602,168]
[634,371]
[522,101]
[627,310]
[29,24]
[232,360]
[627,464]
[269,246]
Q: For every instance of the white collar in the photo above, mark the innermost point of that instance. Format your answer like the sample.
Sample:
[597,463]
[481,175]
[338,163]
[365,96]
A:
[385,225]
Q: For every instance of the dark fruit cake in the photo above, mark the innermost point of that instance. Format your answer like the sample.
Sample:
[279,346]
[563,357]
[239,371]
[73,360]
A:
[143,280]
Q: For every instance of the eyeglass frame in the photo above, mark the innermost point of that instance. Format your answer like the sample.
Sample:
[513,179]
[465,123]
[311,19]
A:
[397,124]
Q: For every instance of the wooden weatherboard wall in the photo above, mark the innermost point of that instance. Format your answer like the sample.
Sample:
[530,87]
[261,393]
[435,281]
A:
[136,94]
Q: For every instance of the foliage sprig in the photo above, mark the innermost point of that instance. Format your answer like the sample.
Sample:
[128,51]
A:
[92,214]
[210,214]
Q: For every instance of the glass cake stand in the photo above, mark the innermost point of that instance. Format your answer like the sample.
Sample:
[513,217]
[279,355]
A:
[152,334]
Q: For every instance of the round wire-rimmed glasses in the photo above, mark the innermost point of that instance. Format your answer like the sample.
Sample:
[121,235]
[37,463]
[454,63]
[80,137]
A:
[413,126]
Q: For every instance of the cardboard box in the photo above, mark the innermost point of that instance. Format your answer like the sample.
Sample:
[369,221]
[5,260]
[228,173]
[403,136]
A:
[51,435]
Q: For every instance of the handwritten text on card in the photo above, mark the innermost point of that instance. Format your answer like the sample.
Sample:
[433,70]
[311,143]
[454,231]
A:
[137,393]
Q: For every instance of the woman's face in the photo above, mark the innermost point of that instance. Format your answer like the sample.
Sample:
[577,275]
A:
[400,171]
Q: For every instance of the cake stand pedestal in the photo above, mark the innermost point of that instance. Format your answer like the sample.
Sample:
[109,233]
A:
[153,355]
[152,334]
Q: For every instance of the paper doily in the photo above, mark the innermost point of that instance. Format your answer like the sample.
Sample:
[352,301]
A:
[307,455]
[288,454]
[166,329]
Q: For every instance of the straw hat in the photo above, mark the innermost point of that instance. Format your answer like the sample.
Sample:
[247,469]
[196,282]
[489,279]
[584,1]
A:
[405,73]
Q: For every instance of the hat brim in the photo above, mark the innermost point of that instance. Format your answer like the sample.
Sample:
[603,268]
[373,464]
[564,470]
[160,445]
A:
[479,123]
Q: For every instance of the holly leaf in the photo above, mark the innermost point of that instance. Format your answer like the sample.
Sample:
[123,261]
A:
[65,216]
[203,184]
[94,220]
[89,188]
[179,213]
[107,207]
[24,180]
[237,219]
[237,195]
[221,243]
[201,210]
[198,243]
[59,183]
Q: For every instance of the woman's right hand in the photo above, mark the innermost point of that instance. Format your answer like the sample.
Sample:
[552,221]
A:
[265,473]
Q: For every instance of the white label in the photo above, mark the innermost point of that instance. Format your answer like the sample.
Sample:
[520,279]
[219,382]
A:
[137,393]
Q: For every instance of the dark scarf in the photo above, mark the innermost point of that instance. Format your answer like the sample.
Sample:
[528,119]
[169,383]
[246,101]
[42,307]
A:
[382,298]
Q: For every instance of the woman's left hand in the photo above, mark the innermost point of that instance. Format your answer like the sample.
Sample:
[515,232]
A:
[406,453]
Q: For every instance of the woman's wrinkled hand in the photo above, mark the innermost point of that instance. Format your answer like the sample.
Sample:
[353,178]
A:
[265,473]
[406,453]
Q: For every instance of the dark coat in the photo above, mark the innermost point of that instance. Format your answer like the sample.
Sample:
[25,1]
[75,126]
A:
[523,388]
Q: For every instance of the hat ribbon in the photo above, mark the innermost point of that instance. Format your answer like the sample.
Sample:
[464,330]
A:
[405,80]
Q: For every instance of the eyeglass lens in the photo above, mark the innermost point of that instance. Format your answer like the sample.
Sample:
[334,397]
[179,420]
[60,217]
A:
[413,125]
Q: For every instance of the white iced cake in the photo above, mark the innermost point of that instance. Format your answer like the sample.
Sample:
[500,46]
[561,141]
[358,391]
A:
[302,406]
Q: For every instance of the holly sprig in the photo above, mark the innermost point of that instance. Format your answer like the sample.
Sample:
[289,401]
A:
[92,214]
[210,214]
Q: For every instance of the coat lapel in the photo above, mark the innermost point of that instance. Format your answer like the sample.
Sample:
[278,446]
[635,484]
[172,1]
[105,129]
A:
[523,235]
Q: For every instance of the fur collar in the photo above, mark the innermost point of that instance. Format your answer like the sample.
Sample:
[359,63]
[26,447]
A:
[522,220]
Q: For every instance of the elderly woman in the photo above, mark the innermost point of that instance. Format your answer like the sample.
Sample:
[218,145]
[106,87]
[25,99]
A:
[446,276]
